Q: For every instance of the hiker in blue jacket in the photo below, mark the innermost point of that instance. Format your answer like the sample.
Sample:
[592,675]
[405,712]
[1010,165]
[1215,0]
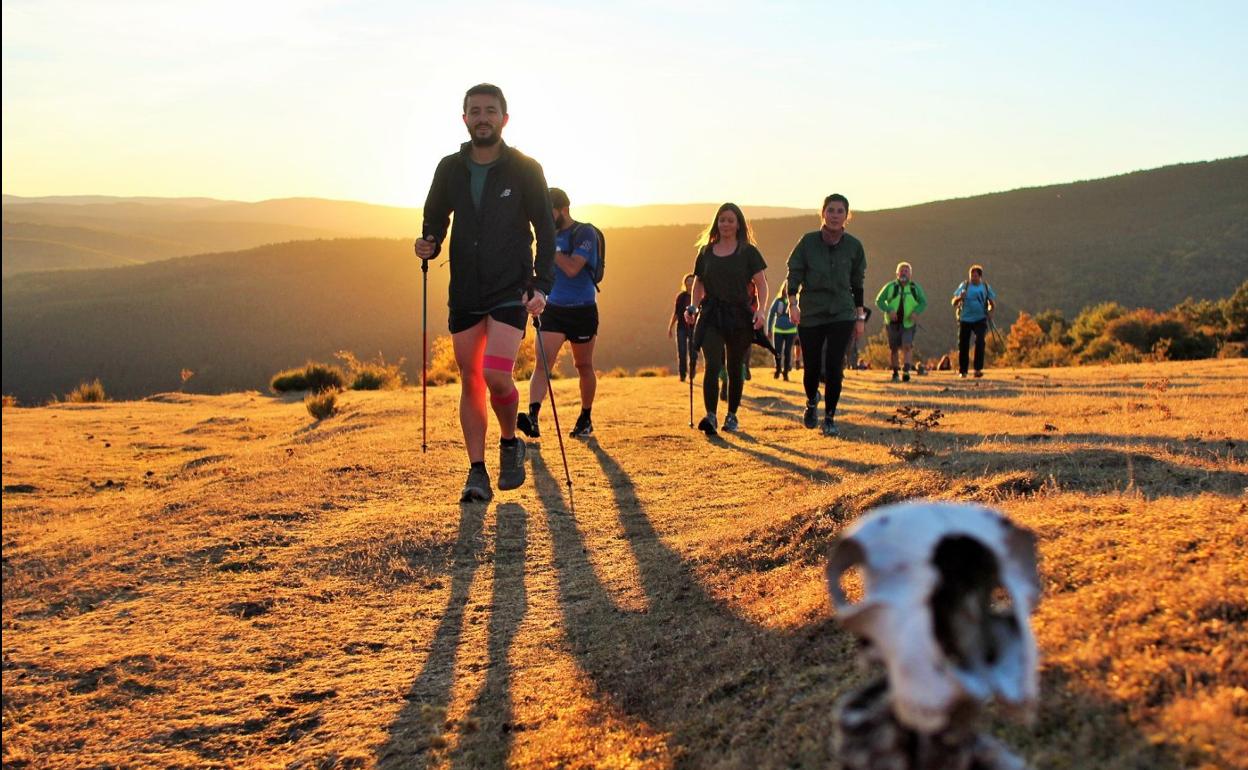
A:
[783,333]
[973,301]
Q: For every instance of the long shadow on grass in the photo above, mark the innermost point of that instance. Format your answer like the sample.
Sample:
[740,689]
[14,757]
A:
[726,690]
[487,742]
[419,726]
[732,693]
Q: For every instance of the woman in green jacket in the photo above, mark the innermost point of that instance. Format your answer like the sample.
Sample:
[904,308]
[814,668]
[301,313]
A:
[826,272]
[901,300]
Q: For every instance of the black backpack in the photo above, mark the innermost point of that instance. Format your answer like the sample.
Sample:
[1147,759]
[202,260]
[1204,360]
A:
[597,272]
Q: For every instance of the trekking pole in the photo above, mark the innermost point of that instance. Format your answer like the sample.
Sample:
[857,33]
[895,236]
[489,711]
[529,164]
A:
[541,352]
[692,374]
[424,355]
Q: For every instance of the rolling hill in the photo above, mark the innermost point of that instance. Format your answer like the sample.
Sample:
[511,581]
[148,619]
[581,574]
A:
[1149,238]
[76,232]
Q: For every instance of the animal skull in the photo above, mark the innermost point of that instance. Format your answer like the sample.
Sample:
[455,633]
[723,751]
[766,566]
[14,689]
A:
[930,571]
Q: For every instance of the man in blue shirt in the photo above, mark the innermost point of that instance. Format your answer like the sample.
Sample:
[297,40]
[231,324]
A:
[974,300]
[571,314]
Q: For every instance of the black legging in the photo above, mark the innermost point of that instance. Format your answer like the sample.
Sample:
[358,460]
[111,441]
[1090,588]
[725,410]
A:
[714,342]
[835,336]
[784,352]
[965,330]
[685,350]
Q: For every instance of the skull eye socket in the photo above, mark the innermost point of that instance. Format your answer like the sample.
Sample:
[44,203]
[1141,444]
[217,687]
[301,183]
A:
[967,602]
[851,582]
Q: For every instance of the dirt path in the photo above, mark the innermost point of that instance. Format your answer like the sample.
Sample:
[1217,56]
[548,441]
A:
[253,589]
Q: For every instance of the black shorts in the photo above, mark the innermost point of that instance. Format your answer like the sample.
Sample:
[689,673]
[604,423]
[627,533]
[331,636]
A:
[579,324]
[512,315]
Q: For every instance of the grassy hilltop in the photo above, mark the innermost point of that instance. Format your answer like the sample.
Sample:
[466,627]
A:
[209,581]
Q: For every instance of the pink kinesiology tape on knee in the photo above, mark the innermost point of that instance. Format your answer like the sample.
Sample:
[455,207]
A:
[506,400]
[497,363]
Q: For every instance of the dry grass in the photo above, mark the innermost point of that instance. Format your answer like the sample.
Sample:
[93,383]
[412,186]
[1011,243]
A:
[200,581]
[87,393]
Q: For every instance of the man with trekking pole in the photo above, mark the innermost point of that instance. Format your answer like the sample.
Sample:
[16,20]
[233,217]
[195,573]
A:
[973,301]
[571,315]
[496,193]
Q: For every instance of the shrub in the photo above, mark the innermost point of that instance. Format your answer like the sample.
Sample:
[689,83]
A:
[654,371]
[313,376]
[87,393]
[1235,311]
[618,371]
[1090,323]
[1109,351]
[371,375]
[322,404]
[442,368]
[10,401]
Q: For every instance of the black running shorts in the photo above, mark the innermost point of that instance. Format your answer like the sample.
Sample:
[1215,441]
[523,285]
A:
[579,324]
[512,315]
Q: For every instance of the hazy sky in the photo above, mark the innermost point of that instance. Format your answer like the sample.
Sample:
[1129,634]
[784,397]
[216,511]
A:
[778,103]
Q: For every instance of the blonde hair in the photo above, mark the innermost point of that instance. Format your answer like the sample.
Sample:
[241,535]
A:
[970,272]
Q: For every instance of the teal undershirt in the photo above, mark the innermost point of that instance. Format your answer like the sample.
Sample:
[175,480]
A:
[477,173]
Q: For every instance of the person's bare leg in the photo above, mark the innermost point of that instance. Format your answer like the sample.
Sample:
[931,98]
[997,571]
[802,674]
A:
[551,342]
[502,342]
[469,347]
[583,359]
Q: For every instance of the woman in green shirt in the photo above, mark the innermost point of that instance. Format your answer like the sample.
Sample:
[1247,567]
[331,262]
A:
[727,263]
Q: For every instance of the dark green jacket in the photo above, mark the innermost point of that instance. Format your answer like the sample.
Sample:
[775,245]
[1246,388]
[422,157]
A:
[828,279]
[492,261]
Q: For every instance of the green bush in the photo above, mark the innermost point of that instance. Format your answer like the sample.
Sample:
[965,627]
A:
[313,376]
[87,393]
[371,375]
[322,404]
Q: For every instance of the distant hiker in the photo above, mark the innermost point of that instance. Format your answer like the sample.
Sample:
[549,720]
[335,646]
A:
[571,314]
[783,333]
[680,324]
[826,272]
[853,360]
[496,193]
[727,261]
[901,300]
[973,302]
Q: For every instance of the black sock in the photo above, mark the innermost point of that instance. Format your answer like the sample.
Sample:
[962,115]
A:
[585,413]
[534,408]
[478,466]
[508,441]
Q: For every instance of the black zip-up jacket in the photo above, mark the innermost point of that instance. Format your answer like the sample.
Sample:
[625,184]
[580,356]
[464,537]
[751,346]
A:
[492,249]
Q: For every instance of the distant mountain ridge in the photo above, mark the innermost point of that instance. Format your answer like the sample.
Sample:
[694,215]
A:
[1148,238]
[224,225]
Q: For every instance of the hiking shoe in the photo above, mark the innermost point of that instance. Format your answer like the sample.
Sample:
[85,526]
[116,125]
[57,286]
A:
[897,378]
[775,375]
[829,427]
[584,427]
[528,425]
[961,375]
[477,487]
[978,374]
[707,425]
[730,422]
[809,418]
[905,376]
[511,464]
[786,376]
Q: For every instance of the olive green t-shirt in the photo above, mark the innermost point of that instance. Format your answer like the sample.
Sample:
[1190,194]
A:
[727,279]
